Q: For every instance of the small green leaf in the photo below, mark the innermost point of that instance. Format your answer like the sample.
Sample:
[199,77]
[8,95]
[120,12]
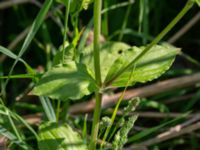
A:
[72,81]
[75,6]
[86,3]
[59,137]
[68,56]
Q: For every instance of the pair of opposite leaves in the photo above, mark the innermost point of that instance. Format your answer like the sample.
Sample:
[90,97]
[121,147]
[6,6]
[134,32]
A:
[74,80]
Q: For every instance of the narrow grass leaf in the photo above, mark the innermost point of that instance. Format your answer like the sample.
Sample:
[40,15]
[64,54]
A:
[149,131]
[10,114]
[33,30]
[48,109]
[13,138]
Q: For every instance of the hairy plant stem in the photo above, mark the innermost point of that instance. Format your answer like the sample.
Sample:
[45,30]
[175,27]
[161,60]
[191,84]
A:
[98,95]
[186,8]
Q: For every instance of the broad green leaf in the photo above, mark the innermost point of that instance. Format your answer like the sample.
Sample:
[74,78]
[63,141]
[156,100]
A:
[110,52]
[59,137]
[153,64]
[72,81]
[114,56]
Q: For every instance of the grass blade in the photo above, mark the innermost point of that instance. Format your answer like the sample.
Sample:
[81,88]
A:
[34,28]
[12,138]
[48,109]
[149,131]
[9,53]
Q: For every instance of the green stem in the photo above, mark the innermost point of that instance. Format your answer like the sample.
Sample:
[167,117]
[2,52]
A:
[13,126]
[98,95]
[65,28]
[115,111]
[145,23]
[186,8]
[58,110]
[105,20]
[125,22]
[95,124]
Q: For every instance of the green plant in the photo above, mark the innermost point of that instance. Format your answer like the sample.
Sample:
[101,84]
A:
[95,69]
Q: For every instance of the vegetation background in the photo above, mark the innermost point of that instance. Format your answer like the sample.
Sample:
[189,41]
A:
[155,110]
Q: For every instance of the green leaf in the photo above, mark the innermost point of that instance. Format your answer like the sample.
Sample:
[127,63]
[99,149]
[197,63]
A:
[153,64]
[68,56]
[59,137]
[48,108]
[146,132]
[110,52]
[10,54]
[13,138]
[33,30]
[198,2]
[63,82]
[86,3]
[116,55]
[75,6]
[35,26]
[62,1]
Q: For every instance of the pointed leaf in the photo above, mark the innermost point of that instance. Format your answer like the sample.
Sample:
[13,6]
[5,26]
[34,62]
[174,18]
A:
[59,137]
[63,82]
[114,56]
[153,64]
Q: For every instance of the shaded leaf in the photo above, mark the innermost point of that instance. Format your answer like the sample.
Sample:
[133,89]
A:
[63,82]
[110,51]
[59,137]
[68,56]
[75,6]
